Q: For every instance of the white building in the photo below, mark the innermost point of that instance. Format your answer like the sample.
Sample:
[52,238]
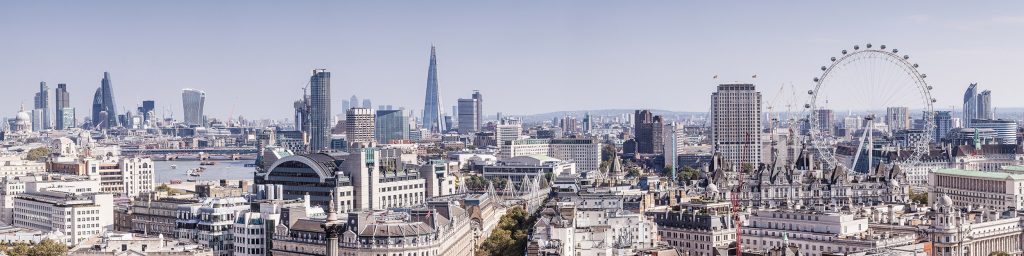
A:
[816,233]
[507,132]
[111,243]
[586,153]
[697,228]
[72,207]
[570,228]
[952,232]
[534,167]
[210,222]
[966,188]
[13,165]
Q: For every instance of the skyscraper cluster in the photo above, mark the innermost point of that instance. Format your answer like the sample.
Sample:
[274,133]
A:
[104,110]
[977,105]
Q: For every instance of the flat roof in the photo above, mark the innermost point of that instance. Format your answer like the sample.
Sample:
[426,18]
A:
[980,174]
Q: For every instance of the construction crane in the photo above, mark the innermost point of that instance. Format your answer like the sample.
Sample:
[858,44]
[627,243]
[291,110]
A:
[737,221]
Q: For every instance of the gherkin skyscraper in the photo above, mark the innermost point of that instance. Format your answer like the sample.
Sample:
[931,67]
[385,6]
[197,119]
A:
[432,114]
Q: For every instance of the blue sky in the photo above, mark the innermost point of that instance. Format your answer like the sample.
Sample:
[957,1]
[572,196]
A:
[253,57]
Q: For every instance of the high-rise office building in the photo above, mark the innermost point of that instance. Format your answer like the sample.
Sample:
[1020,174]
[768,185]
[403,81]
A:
[826,120]
[479,109]
[468,120]
[433,114]
[108,101]
[970,104]
[391,125]
[147,110]
[62,101]
[66,118]
[345,105]
[42,105]
[353,102]
[943,124]
[648,130]
[985,105]
[193,100]
[587,122]
[303,107]
[736,124]
[897,118]
[359,127]
[320,111]
[367,103]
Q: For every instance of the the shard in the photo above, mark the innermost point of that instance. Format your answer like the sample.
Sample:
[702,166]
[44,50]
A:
[432,113]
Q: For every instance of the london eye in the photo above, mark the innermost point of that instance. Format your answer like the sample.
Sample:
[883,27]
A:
[870,106]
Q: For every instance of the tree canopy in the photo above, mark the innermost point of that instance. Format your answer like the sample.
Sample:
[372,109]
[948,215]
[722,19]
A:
[37,154]
[44,248]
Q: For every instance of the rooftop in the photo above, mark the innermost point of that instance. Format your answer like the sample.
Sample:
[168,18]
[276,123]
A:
[980,174]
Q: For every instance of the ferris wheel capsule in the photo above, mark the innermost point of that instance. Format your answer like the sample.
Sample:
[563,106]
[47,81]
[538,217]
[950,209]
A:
[915,65]
[895,50]
[844,52]
[924,75]
[933,100]
[883,47]
[869,46]
[856,47]
[906,57]
[811,92]
[807,105]
[833,59]
[815,79]
[823,68]
[929,87]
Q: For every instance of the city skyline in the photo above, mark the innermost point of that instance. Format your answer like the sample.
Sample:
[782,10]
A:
[591,50]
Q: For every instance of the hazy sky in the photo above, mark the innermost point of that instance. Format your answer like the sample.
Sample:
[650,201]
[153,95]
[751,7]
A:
[252,58]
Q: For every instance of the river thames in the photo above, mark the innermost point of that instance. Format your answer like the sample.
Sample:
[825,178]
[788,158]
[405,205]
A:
[231,170]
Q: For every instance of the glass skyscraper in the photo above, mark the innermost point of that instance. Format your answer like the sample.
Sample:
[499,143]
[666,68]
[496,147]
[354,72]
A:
[391,125]
[104,110]
[192,101]
[433,119]
[970,104]
[63,101]
[320,111]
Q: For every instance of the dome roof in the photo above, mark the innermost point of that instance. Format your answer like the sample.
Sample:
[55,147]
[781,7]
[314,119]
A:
[23,116]
[944,200]
[712,189]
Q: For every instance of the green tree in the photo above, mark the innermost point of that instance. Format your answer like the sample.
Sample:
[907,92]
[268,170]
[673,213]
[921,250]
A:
[608,152]
[37,154]
[998,253]
[747,167]
[500,183]
[163,187]
[48,248]
[919,197]
[509,237]
[633,172]
[18,249]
